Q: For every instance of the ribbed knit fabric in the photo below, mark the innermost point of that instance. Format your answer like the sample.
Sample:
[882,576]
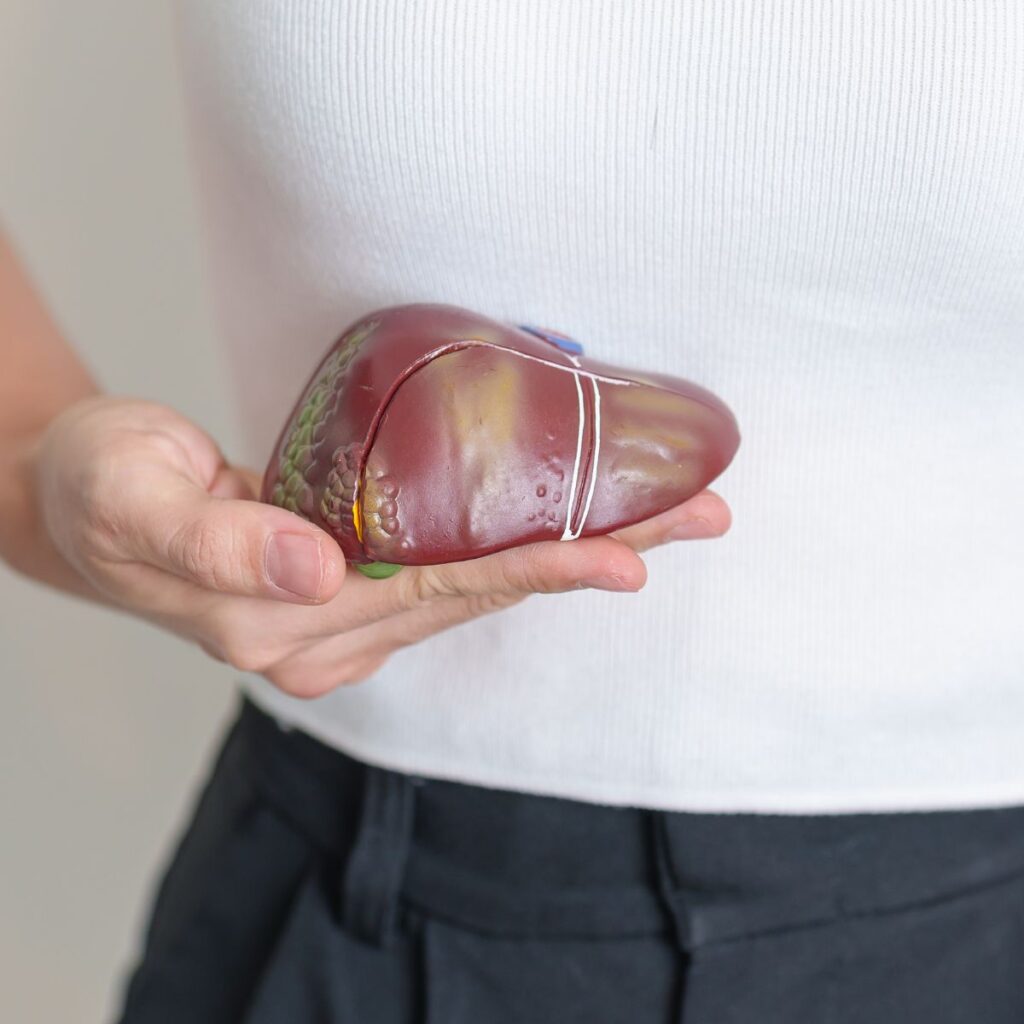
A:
[814,209]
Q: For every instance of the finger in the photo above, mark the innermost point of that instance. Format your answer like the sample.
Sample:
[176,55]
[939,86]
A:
[705,515]
[235,482]
[327,663]
[227,545]
[549,567]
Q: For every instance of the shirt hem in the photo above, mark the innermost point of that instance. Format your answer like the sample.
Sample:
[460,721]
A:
[818,802]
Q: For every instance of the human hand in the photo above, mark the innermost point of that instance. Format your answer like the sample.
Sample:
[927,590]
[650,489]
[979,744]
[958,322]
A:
[142,504]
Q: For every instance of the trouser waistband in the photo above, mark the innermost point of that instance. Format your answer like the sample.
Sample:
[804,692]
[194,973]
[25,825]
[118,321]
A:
[516,864]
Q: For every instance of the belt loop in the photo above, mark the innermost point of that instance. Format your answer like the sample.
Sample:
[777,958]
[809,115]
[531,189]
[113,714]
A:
[671,892]
[373,871]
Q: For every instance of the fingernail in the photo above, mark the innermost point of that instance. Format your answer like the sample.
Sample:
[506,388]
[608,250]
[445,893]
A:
[294,564]
[697,528]
[608,582]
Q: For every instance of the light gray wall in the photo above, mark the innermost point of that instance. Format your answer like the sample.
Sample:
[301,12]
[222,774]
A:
[105,724]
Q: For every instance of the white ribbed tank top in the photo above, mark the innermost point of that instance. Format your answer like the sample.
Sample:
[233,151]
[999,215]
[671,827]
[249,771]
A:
[814,209]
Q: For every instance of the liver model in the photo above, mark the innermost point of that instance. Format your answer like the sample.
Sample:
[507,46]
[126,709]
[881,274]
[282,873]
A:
[430,433]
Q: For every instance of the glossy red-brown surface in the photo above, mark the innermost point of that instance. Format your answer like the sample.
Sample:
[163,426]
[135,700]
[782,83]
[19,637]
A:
[432,434]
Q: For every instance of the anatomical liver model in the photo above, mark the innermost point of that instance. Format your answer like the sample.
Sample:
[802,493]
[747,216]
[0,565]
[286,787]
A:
[433,434]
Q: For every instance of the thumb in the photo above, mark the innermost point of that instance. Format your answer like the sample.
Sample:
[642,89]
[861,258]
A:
[234,546]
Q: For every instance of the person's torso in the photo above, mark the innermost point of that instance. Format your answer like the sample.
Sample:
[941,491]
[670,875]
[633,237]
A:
[816,211]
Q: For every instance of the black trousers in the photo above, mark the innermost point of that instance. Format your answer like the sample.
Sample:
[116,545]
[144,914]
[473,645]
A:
[313,888]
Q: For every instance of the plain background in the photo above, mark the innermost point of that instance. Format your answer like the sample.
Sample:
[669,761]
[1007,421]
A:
[106,725]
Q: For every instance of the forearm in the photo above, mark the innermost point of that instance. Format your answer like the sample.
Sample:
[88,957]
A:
[40,377]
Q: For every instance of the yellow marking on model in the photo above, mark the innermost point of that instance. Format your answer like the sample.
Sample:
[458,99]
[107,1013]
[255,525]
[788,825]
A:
[357,519]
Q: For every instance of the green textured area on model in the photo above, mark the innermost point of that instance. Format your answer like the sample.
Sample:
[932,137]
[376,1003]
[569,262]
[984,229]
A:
[292,490]
[378,570]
